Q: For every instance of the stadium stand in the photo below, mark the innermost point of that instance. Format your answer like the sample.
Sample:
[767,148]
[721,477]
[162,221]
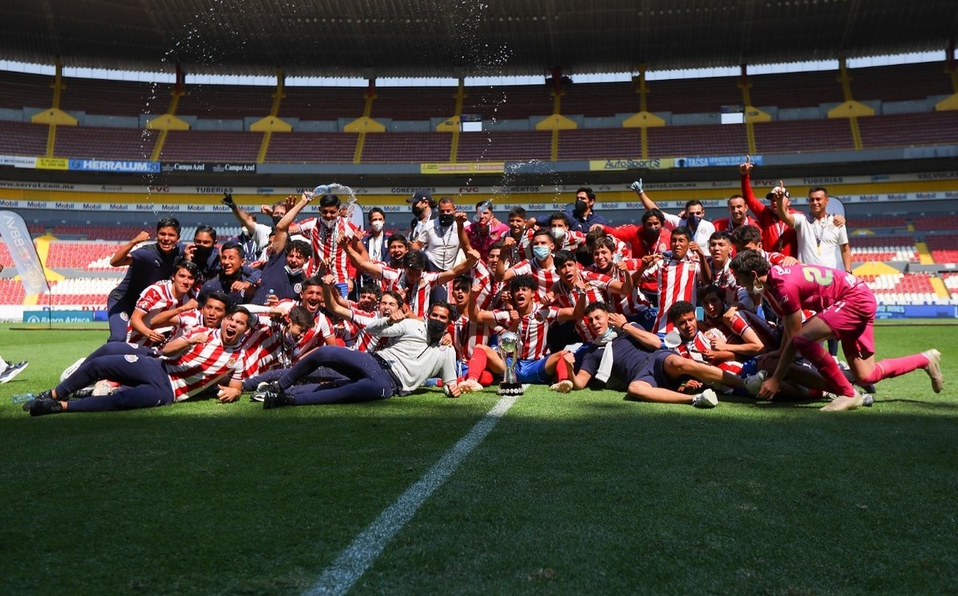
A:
[112,98]
[796,89]
[883,248]
[592,143]
[900,82]
[508,102]
[414,103]
[908,130]
[703,139]
[225,102]
[794,136]
[23,138]
[412,147]
[690,96]
[211,145]
[79,291]
[943,247]
[88,256]
[322,103]
[939,222]
[12,292]
[505,145]
[876,221]
[95,232]
[902,288]
[596,100]
[304,147]
[22,90]
[110,143]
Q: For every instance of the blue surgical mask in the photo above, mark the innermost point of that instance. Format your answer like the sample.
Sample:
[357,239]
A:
[541,252]
[693,220]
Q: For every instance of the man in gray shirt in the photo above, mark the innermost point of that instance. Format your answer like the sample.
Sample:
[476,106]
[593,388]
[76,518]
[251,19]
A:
[399,369]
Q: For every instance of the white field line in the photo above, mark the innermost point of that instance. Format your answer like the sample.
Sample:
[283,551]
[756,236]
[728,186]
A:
[343,573]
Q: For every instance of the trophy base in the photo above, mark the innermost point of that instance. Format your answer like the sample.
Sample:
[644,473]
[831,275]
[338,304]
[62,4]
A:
[510,389]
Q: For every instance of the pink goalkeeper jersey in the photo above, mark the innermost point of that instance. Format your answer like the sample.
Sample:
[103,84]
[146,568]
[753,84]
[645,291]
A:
[810,287]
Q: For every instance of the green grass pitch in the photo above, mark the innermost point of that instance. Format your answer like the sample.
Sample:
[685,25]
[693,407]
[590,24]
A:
[569,494]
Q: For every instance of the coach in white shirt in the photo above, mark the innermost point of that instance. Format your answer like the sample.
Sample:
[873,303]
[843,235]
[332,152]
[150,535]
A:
[818,234]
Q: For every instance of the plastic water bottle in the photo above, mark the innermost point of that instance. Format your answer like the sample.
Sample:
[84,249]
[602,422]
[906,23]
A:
[23,397]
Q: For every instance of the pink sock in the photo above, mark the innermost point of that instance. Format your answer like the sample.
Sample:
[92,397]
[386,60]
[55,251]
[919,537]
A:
[893,367]
[825,364]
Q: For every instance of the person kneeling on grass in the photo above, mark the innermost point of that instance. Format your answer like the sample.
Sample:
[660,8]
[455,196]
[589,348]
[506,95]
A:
[214,356]
[631,355]
[399,369]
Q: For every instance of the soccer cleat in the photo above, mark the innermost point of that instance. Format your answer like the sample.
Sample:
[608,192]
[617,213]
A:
[868,400]
[706,399]
[103,387]
[754,382]
[71,369]
[44,405]
[563,386]
[934,369]
[82,392]
[275,399]
[470,386]
[841,403]
[262,389]
[12,371]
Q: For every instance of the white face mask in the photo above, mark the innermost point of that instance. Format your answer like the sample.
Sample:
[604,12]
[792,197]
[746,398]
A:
[292,271]
[329,223]
[757,288]
[377,225]
[607,335]
[558,233]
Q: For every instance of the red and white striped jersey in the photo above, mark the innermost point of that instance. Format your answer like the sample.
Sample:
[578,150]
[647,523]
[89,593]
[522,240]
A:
[725,279]
[417,294]
[267,348]
[467,334]
[325,247]
[544,277]
[521,250]
[624,304]
[676,280]
[532,330]
[696,349]
[598,292]
[488,297]
[204,365]
[362,340]
[315,336]
[154,299]
[572,241]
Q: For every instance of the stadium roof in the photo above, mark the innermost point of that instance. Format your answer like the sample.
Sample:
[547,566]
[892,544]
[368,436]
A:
[462,38]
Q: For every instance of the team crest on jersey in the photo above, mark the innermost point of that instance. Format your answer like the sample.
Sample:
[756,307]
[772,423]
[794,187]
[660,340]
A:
[297,288]
[231,362]
[131,358]
[124,316]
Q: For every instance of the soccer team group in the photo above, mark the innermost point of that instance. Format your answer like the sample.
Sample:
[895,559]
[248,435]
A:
[318,311]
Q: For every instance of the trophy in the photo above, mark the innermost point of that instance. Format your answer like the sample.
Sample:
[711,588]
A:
[508,347]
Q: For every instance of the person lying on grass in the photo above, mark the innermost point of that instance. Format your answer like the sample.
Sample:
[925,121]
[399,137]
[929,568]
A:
[215,356]
[632,356]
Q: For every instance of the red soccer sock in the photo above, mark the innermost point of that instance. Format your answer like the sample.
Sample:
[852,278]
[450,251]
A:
[562,370]
[477,364]
[486,378]
[893,367]
[826,366]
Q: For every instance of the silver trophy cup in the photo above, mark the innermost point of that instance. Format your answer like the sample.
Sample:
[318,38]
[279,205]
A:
[508,347]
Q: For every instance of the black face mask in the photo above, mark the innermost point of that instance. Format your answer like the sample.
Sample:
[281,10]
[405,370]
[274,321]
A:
[276,220]
[435,329]
[202,254]
[446,219]
[581,206]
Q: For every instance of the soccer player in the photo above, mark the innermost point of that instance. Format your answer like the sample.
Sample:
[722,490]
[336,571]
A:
[214,356]
[776,235]
[159,297]
[630,355]
[236,279]
[285,269]
[146,265]
[399,369]
[845,310]
[540,267]
[485,231]
[325,234]
[738,216]
[531,322]
[676,275]
[693,216]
